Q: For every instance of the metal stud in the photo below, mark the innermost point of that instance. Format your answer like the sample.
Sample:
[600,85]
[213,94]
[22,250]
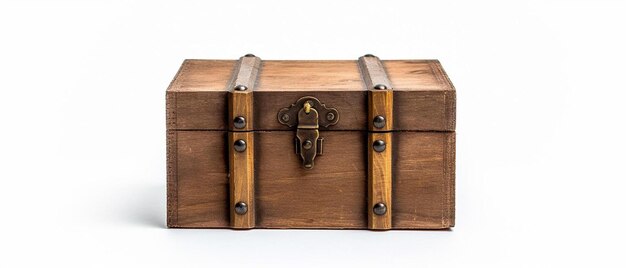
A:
[380,209]
[379,145]
[249,55]
[368,55]
[330,116]
[285,118]
[241,208]
[380,86]
[239,122]
[307,144]
[379,121]
[241,88]
[240,145]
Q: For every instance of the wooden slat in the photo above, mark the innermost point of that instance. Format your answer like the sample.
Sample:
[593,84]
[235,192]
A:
[241,167]
[240,102]
[379,181]
[241,164]
[373,72]
[380,103]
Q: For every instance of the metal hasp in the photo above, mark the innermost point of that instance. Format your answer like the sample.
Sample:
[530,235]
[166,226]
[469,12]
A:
[308,114]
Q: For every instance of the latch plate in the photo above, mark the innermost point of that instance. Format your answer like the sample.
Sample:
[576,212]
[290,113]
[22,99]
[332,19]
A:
[308,114]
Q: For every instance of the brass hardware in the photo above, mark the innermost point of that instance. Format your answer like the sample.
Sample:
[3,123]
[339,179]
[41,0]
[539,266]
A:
[310,114]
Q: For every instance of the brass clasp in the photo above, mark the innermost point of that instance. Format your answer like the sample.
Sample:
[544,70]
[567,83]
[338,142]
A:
[310,114]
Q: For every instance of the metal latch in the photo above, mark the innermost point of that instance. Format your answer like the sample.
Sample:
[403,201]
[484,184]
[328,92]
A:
[308,114]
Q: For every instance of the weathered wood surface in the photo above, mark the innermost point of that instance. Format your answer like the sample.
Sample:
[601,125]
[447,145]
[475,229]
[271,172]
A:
[332,195]
[335,193]
[241,170]
[425,99]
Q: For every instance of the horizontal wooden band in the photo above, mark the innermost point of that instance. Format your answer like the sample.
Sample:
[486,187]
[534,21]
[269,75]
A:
[241,171]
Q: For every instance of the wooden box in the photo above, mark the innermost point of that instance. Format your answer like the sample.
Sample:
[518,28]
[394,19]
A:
[350,144]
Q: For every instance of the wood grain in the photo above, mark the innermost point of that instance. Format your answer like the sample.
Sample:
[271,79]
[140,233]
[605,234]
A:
[423,184]
[202,179]
[241,173]
[373,72]
[285,75]
[332,195]
[415,110]
[380,181]
[425,99]
[335,193]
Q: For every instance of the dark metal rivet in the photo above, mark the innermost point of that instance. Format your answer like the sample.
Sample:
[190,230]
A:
[380,209]
[241,208]
[285,118]
[330,116]
[240,145]
[307,144]
[368,55]
[379,121]
[241,88]
[379,145]
[380,86]
[249,55]
[239,122]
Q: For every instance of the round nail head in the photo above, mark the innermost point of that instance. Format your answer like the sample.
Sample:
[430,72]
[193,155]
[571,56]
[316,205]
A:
[241,208]
[240,145]
[239,122]
[380,87]
[380,209]
[330,116]
[241,88]
[249,55]
[285,118]
[379,145]
[379,121]
[307,144]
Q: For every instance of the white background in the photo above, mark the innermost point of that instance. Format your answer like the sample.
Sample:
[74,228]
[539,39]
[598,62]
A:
[540,136]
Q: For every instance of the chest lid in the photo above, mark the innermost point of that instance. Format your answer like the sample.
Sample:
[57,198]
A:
[424,99]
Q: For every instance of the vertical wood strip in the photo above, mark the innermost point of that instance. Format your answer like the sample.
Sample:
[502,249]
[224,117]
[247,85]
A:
[379,181]
[241,167]
[380,102]
[240,102]
[241,163]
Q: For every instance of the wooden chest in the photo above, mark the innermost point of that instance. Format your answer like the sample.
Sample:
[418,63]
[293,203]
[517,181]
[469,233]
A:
[351,144]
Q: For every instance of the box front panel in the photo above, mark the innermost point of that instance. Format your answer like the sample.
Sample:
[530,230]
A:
[331,195]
